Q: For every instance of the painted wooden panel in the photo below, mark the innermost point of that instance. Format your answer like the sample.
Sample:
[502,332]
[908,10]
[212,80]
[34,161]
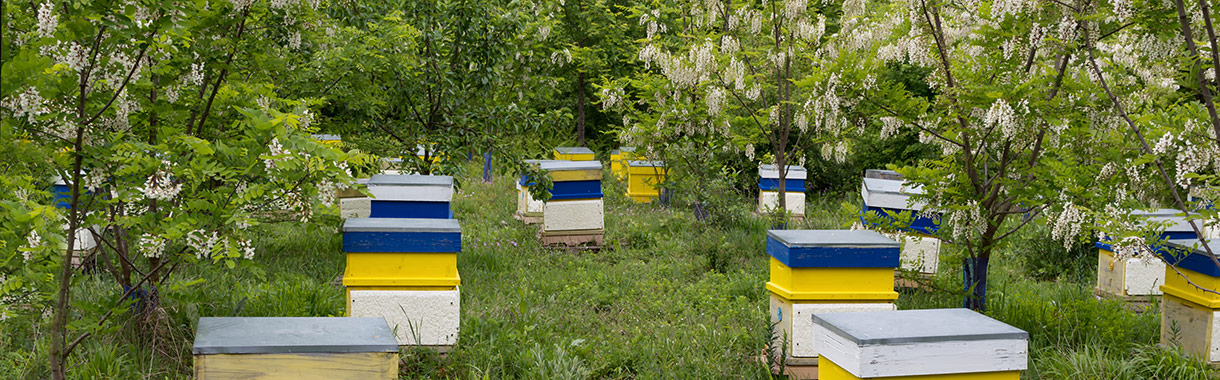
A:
[576,190]
[1110,273]
[772,172]
[834,256]
[850,284]
[417,317]
[1184,254]
[769,200]
[573,215]
[793,322]
[1180,287]
[643,180]
[573,153]
[772,184]
[1197,328]
[828,370]
[920,223]
[307,366]
[423,242]
[401,269]
[409,209]
[354,207]
[920,253]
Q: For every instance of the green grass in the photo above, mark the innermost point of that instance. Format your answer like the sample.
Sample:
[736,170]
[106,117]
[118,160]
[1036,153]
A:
[667,297]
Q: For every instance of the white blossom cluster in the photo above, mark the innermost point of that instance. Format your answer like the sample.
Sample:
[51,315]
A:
[1189,157]
[32,241]
[246,248]
[151,246]
[612,97]
[161,185]
[652,23]
[205,245]
[28,104]
[1068,225]
[1001,115]
[48,21]
[967,222]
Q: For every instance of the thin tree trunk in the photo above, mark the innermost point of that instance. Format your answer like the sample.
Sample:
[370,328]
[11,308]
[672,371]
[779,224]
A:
[580,108]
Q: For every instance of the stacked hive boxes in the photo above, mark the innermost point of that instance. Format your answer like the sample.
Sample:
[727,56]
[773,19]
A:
[1139,276]
[529,210]
[405,270]
[826,271]
[410,196]
[85,243]
[574,214]
[794,189]
[333,141]
[573,154]
[644,179]
[886,195]
[938,344]
[297,348]
[1190,316]
[618,161]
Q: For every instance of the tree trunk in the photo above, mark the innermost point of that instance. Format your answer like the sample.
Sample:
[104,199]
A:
[974,280]
[487,167]
[580,108]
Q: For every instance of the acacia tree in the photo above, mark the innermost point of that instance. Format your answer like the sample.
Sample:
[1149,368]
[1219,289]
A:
[163,120]
[729,76]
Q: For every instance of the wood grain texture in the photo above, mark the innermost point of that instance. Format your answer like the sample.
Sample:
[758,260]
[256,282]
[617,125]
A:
[1195,327]
[371,365]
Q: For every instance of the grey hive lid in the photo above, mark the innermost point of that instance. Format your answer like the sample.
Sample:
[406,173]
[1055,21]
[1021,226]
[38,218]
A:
[563,165]
[832,238]
[791,168]
[626,149]
[655,164]
[882,174]
[410,180]
[891,186]
[1193,245]
[433,225]
[916,326]
[325,137]
[573,150]
[242,335]
[1167,216]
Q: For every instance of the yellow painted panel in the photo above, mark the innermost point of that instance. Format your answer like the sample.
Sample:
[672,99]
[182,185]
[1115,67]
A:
[576,175]
[1111,273]
[828,370]
[831,283]
[642,182]
[395,268]
[574,157]
[360,365]
[1193,323]
[1178,286]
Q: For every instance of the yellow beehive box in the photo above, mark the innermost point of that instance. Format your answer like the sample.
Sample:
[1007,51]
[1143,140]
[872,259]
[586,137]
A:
[401,252]
[644,179]
[1190,311]
[295,349]
[618,161]
[937,344]
[333,141]
[573,154]
[832,284]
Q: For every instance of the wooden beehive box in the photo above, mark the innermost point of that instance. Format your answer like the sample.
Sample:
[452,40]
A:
[886,195]
[1136,277]
[579,153]
[410,196]
[405,270]
[820,271]
[934,344]
[644,179]
[333,141]
[1193,311]
[575,210]
[618,161]
[295,349]
[794,189]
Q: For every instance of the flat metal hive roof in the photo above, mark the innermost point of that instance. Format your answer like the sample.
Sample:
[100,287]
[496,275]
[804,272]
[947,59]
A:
[410,180]
[916,326]
[245,335]
[563,165]
[655,164]
[573,150]
[832,238]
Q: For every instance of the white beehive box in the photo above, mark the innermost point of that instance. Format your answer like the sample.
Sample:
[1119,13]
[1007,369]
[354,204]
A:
[418,317]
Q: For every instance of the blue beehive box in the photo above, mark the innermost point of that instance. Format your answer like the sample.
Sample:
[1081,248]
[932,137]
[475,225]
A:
[886,194]
[410,196]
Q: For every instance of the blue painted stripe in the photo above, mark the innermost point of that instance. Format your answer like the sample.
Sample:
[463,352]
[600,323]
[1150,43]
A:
[597,195]
[772,184]
[1198,262]
[832,257]
[524,181]
[410,242]
[409,209]
[922,224]
[1105,244]
[63,196]
[576,190]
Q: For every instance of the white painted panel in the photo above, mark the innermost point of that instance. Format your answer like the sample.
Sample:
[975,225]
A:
[886,199]
[354,207]
[432,316]
[412,193]
[912,359]
[768,200]
[1144,278]
[920,253]
[804,342]
[586,214]
[1215,347]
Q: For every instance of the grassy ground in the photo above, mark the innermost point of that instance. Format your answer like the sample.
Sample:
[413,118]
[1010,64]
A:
[667,298]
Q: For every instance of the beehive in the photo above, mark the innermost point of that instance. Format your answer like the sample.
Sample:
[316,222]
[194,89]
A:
[410,196]
[575,212]
[405,270]
[333,141]
[618,161]
[1190,316]
[294,348]
[825,271]
[887,195]
[85,242]
[948,344]
[1135,277]
[529,210]
[794,189]
[644,179]
[573,154]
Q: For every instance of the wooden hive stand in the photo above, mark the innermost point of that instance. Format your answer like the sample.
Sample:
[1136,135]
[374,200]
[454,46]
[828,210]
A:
[794,190]
[824,271]
[887,195]
[410,196]
[937,344]
[405,270]
[1190,316]
[575,214]
[295,349]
